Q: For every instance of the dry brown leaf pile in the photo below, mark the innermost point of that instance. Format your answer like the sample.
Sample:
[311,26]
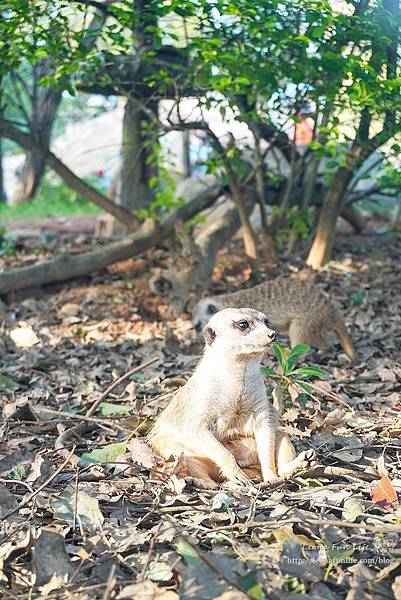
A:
[91,513]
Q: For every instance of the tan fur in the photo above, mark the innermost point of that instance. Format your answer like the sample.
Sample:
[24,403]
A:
[294,307]
[221,419]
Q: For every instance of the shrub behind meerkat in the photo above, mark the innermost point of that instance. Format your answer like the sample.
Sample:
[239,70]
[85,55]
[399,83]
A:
[295,307]
[221,419]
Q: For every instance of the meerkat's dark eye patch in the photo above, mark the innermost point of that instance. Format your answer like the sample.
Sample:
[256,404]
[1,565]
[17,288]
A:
[242,325]
[211,309]
[267,323]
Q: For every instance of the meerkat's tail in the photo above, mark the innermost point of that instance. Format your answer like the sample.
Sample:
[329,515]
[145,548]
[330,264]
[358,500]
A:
[341,331]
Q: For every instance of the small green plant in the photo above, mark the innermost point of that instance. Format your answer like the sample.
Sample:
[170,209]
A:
[18,473]
[297,221]
[7,246]
[291,371]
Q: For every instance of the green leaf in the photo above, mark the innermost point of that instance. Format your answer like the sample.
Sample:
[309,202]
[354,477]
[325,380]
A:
[18,473]
[353,507]
[71,507]
[296,354]
[45,365]
[139,377]
[307,372]
[305,387]
[8,384]
[332,164]
[266,371]
[106,454]
[108,408]
[249,582]
[279,353]
[357,299]
[188,552]
[338,554]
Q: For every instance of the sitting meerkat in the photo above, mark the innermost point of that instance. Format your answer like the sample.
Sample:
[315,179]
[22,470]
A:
[221,419]
[295,307]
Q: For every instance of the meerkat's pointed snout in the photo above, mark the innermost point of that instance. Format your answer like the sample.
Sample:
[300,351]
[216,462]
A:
[271,334]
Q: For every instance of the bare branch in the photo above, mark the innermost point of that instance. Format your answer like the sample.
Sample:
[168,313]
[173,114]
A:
[30,143]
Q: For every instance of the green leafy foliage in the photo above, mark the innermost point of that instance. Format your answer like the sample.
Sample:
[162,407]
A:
[290,358]
[18,473]
[258,61]
[6,383]
[107,454]
[290,372]
[108,408]
[54,198]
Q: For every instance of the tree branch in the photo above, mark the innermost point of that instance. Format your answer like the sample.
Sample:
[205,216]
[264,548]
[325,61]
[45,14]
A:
[29,143]
[69,266]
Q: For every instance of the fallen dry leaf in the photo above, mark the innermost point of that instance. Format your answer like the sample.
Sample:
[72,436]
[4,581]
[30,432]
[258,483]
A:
[384,494]
[51,562]
[24,336]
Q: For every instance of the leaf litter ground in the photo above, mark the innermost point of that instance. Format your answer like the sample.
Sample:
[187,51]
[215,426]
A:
[87,510]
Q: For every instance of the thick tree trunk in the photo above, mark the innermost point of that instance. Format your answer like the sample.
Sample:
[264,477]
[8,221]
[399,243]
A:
[28,179]
[323,242]
[67,266]
[136,171]
[189,276]
[45,103]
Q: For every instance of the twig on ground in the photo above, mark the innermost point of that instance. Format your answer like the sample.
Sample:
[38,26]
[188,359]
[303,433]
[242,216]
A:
[115,383]
[96,421]
[40,488]
[149,554]
[325,522]
[111,582]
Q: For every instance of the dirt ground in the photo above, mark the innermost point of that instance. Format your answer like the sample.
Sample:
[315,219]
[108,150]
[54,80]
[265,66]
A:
[90,512]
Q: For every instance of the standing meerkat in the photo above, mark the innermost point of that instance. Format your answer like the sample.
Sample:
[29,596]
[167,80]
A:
[221,420]
[295,307]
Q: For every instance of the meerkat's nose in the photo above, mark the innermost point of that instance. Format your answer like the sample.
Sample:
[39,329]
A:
[272,336]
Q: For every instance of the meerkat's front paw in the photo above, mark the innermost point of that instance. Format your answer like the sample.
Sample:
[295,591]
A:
[307,459]
[269,476]
[301,463]
[237,477]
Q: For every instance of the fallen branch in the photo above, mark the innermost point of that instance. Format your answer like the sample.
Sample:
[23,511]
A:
[181,282]
[67,266]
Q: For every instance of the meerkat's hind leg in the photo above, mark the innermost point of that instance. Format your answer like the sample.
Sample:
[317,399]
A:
[300,333]
[266,440]
[288,462]
[202,473]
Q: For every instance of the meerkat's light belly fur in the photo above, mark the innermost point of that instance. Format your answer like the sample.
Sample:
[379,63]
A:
[222,420]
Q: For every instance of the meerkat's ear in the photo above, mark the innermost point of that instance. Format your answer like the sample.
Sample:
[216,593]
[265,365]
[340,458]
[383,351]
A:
[212,309]
[209,334]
